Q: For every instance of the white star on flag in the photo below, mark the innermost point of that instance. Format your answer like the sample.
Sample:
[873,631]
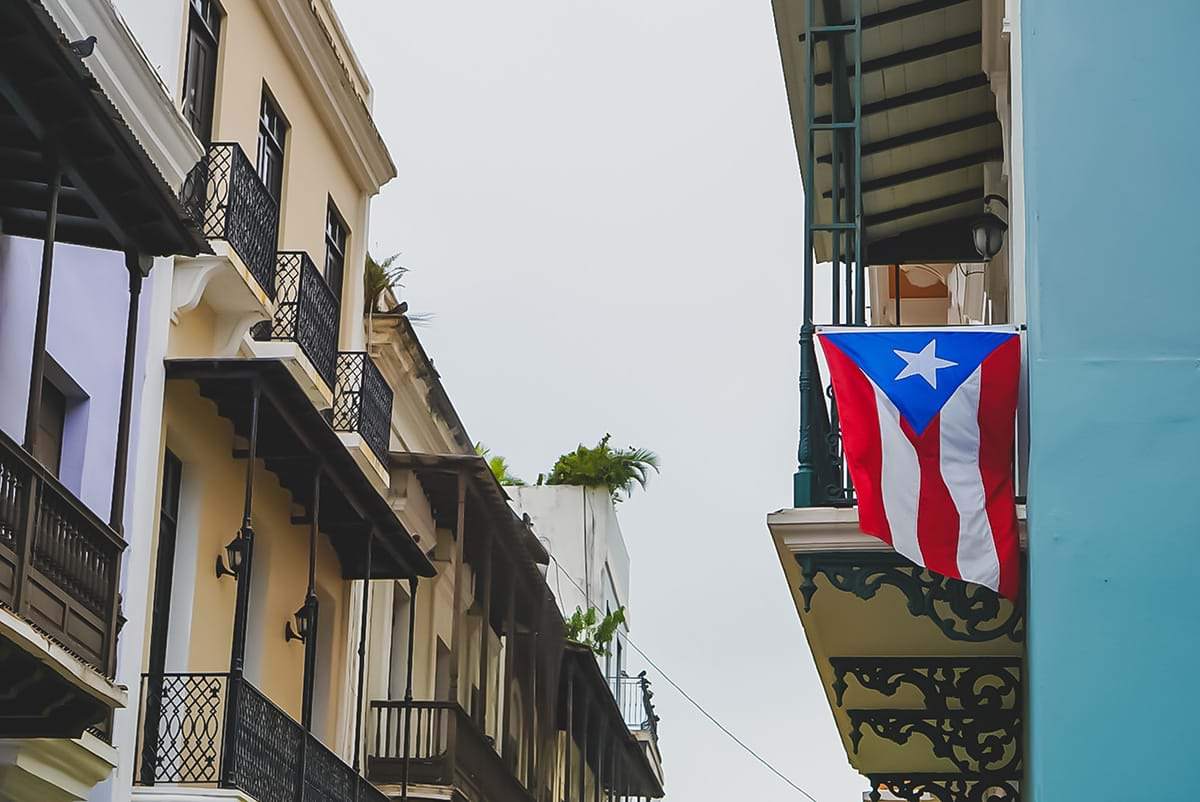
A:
[925,364]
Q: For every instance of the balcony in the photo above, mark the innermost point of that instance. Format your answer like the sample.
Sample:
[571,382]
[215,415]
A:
[445,747]
[307,314]
[362,408]
[212,731]
[59,571]
[227,199]
[634,696]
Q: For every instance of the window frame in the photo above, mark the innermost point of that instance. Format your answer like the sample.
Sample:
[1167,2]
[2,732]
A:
[204,20]
[333,217]
[273,131]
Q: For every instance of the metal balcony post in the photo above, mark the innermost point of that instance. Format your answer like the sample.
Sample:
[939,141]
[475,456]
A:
[362,654]
[310,604]
[116,510]
[485,583]
[37,370]
[241,612]
[456,634]
[408,686]
[805,479]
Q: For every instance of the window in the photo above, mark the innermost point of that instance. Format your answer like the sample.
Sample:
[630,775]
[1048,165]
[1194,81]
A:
[200,70]
[168,529]
[335,250]
[52,418]
[272,136]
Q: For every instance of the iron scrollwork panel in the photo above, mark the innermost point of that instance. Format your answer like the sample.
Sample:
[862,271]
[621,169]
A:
[976,742]
[363,401]
[946,787]
[972,683]
[266,748]
[963,611]
[182,720]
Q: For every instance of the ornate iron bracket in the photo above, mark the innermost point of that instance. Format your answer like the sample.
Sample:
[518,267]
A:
[980,742]
[961,610]
[975,684]
[947,787]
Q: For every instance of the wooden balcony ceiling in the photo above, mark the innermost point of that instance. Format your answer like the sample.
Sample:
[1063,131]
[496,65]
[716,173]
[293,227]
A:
[112,194]
[929,120]
[292,436]
[487,503]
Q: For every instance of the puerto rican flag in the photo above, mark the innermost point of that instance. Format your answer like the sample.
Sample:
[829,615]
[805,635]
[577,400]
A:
[928,421]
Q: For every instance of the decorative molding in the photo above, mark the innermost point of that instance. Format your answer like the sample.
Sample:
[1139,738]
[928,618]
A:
[189,281]
[961,610]
[976,742]
[307,43]
[54,769]
[974,684]
[131,83]
[946,787]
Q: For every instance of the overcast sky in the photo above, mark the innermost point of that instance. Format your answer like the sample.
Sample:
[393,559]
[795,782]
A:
[600,204]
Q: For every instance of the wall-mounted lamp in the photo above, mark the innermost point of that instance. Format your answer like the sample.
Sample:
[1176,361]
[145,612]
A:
[233,550]
[988,229]
[300,633]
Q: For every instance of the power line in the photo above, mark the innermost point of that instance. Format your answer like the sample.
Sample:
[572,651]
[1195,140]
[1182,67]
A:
[688,696]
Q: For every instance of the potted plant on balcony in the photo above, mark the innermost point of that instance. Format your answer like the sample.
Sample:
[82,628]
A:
[618,469]
[588,629]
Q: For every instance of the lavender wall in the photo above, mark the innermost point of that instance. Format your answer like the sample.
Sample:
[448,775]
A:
[89,299]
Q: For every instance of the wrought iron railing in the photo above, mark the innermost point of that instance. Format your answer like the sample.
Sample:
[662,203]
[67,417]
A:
[214,730]
[306,312]
[445,747]
[60,562]
[362,401]
[634,697]
[226,197]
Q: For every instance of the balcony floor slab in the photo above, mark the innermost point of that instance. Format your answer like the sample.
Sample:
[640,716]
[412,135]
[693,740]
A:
[53,769]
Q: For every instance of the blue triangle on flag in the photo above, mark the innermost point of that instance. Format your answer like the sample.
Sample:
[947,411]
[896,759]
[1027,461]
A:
[918,369]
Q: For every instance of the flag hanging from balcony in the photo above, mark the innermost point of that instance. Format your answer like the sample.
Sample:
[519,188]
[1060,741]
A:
[928,419]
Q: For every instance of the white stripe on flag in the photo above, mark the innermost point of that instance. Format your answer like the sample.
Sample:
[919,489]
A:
[977,558]
[900,483]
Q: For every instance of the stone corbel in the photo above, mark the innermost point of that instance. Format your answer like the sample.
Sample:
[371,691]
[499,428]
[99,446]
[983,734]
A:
[231,330]
[191,278]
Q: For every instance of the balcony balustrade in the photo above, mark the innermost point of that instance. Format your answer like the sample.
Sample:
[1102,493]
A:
[634,696]
[225,196]
[306,312]
[59,563]
[212,730]
[445,747]
[362,402]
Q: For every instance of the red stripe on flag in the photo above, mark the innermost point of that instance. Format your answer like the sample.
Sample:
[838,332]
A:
[860,439]
[937,517]
[999,379]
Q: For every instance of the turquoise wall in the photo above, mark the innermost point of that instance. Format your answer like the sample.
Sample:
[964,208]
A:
[1111,97]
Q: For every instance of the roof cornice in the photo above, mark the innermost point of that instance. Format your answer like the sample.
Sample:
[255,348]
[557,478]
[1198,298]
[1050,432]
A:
[310,45]
[131,83]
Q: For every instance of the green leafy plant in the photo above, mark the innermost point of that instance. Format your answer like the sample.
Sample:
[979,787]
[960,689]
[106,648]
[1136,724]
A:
[618,469]
[499,466]
[378,278]
[587,628]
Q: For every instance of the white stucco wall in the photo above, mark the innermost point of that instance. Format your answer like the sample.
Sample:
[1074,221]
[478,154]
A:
[590,564]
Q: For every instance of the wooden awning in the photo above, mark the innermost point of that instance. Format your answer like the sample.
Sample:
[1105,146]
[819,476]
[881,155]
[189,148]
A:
[293,435]
[929,120]
[52,110]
